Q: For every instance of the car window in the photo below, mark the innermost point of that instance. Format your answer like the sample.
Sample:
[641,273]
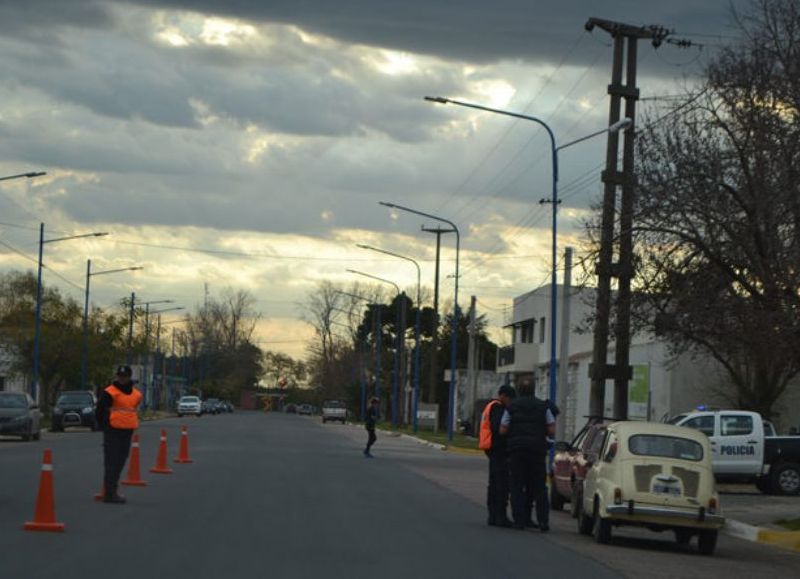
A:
[596,443]
[13,401]
[736,425]
[334,404]
[769,429]
[189,399]
[75,398]
[704,424]
[666,446]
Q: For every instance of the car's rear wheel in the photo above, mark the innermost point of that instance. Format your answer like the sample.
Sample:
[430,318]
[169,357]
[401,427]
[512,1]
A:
[707,541]
[602,527]
[683,536]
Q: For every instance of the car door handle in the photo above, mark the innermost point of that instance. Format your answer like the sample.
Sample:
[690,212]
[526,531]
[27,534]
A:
[752,442]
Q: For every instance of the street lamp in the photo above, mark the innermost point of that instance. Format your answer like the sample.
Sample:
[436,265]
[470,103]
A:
[37,330]
[616,127]
[416,327]
[85,350]
[157,393]
[23,176]
[376,370]
[401,306]
[454,338]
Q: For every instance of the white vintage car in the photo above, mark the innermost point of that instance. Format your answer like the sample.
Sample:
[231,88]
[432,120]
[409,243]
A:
[656,476]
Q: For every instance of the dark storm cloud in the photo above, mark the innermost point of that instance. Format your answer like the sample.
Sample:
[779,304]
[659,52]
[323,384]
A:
[471,30]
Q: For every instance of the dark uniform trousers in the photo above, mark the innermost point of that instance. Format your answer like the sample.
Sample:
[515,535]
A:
[529,485]
[497,492]
[116,446]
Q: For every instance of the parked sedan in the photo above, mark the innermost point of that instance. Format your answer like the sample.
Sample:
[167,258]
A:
[569,463]
[19,415]
[655,476]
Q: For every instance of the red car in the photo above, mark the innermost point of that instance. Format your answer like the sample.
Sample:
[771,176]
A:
[569,463]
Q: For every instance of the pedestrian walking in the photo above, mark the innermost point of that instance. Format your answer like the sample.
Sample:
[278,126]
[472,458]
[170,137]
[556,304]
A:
[496,448]
[371,419]
[527,423]
[117,415]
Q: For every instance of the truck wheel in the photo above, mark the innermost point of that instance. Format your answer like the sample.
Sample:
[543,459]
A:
[707,541]
[786,479]
[556,500]
[602,527]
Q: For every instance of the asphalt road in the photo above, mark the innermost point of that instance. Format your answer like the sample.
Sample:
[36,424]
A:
[268,495]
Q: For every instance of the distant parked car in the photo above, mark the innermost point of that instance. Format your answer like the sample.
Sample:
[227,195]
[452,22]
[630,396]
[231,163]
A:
[334,410]
[305,410]
[20,415]
[212,406]
[226,406]
[290,409]
[190,405]
[74,408]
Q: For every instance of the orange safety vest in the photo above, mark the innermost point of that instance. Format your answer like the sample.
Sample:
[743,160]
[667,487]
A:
[485,440]
[123,413]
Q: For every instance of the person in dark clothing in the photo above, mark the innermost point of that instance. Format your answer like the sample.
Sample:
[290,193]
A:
[527,423]
[373,414]
[117,416]
[494,444]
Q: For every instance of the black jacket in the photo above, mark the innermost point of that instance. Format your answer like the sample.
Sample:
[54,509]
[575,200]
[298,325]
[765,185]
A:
[499,441]
[104,401]
[528,429]
[372,418]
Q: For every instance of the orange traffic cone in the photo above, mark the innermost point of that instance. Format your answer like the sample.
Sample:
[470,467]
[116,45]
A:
[45,516]
[161,462]
[183,455]
[134,476]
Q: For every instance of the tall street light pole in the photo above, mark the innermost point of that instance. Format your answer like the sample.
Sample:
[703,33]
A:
[554,149]
[362,355]
[37,330]
[454,338]
[401,306]
[85,349]
[417,322]
[158,340]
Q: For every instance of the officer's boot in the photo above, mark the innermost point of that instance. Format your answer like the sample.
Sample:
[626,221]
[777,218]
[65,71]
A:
[501,517]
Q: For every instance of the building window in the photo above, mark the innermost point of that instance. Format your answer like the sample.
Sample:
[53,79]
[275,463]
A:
[541,330]
[527,331]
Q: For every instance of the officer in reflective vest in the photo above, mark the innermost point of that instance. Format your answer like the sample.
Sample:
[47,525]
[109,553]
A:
[117,415]
[496,450]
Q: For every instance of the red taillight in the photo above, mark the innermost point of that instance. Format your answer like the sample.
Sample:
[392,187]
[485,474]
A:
[617,496]
[712,505]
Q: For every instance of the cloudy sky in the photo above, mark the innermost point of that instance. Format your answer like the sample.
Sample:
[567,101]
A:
[246,143]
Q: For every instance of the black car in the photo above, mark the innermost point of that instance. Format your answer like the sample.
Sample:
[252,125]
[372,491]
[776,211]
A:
[74,408]
[19,415]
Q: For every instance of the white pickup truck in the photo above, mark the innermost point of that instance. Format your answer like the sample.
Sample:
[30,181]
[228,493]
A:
[743,447]
[334,410]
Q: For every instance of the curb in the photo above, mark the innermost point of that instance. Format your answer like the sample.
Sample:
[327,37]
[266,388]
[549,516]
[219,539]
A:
[783,539]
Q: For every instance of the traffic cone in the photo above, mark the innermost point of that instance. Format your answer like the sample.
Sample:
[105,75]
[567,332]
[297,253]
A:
[134,476]
[161,462]
[102,494]
[45,516]
[183,455]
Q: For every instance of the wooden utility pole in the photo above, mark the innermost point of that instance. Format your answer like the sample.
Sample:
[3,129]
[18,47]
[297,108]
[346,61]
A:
[563,356]
[600,370]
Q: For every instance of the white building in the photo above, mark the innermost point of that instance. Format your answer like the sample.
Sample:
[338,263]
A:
[10,381]
[661,386]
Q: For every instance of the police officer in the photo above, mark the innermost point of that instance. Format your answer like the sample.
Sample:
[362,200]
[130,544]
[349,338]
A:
[117,415]
[494,444]
[527,423]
